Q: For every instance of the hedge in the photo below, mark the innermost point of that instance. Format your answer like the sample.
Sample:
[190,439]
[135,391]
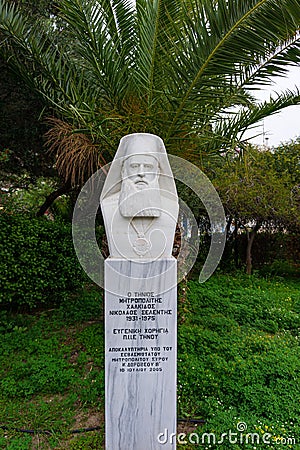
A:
[38,263]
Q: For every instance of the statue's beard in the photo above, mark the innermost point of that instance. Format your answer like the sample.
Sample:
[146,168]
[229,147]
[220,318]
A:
[139,202]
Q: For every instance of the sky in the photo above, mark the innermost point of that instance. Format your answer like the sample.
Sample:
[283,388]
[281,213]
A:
[282,126]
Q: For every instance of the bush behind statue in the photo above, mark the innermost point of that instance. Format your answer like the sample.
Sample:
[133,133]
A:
[37,261]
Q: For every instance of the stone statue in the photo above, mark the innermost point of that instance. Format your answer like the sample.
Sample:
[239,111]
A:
[139,200]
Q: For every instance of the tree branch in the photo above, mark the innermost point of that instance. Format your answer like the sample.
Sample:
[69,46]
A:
[52,197]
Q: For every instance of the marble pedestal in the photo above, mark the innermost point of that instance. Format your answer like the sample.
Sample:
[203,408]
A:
[140,354]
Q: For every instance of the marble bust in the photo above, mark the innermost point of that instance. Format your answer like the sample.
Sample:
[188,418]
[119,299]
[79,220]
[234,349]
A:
[139,200]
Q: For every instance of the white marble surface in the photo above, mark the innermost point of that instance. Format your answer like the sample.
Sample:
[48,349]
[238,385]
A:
[140,349]
[139,200]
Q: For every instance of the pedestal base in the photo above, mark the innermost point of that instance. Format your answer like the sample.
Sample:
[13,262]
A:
[140,349]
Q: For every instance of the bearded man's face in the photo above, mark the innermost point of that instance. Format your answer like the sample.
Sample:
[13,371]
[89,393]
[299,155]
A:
[141,170]
[140,196]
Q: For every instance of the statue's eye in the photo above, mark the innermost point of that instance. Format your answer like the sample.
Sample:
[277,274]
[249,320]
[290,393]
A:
[134,166]
[148,166]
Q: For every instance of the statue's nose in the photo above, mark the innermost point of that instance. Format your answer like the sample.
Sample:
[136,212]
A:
[141,172]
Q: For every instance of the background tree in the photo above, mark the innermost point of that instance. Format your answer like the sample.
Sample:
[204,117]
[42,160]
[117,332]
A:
[22,156]
[180,69]
[21,130]
[256,190]
[287,160]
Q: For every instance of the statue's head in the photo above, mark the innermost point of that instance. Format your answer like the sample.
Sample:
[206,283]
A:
[141,163]
[139,199]
[140,173]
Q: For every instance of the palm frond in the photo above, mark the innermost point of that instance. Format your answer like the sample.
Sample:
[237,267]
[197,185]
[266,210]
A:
[77,158]
[228,131]
[217,48]
[177,68]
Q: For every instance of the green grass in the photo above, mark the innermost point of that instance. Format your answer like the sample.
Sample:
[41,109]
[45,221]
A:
[239,356]
[238,361]
[52,372]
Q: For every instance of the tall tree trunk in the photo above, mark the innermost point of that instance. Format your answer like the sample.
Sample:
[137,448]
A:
[250,239]
[228,246]
[228,225]
[235,244]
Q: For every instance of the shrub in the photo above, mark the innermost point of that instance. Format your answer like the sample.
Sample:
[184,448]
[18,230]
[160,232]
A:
[37,261]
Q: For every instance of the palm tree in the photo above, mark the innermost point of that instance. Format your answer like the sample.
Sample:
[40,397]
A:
[182,69]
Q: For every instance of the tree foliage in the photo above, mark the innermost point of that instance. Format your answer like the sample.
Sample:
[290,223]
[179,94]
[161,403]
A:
[256,188]
[252,190]
[179,69]
[37,8]
[287,160]
[21,131]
